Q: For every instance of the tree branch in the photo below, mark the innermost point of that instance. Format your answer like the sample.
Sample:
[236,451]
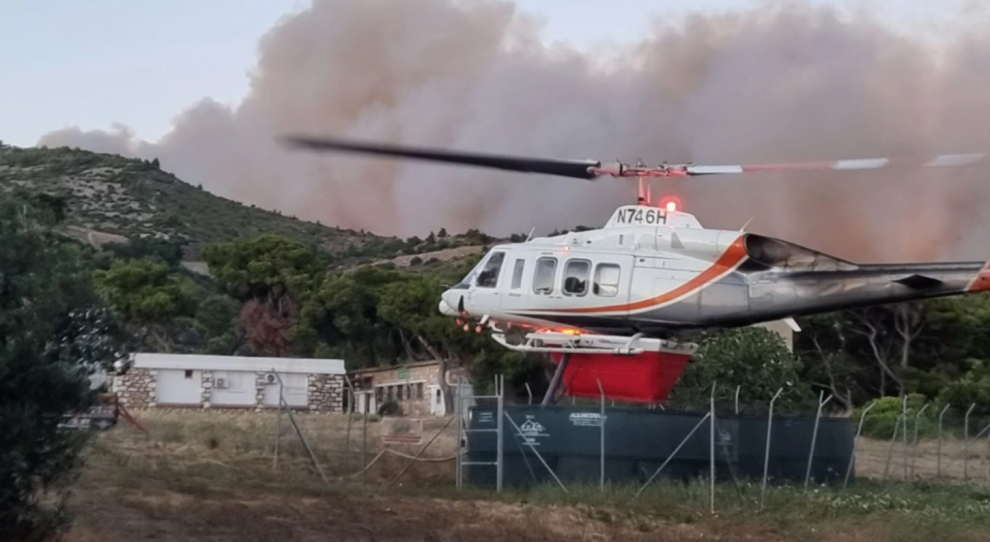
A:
[880,352]
[829,371]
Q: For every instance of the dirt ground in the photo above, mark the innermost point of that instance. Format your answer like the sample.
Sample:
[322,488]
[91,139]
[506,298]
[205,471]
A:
[923,463]
[212,477]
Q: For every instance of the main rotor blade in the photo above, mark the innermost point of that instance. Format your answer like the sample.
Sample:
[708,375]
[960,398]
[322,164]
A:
[579,169]
[942,160]
[591,169]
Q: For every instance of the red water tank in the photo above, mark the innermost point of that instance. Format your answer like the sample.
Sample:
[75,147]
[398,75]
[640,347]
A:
[643,378]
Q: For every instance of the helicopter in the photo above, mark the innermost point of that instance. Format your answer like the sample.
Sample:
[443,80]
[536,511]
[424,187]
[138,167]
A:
[609,304]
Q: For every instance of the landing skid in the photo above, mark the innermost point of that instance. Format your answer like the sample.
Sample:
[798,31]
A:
[568,344]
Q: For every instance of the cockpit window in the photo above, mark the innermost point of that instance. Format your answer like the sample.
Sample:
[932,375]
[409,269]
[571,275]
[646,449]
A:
[488,277]
[469,278]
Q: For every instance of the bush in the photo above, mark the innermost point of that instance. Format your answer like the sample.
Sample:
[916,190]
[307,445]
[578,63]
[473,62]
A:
[883,417]
[390,408]
[755,359]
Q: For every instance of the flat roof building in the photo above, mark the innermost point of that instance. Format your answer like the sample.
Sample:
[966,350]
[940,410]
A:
[206,381]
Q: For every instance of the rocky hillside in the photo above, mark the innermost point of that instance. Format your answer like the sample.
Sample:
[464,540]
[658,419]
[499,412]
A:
[111,199]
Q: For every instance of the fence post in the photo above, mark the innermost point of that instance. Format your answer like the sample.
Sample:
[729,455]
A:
[859,431]
[905,437]
[278,426]
[501,431]
[460,434]
[739,387]
[966,442]
[601,421]
[893,441]
[711,451]
[988,453]
[292,419]
[938,454]
[364,440]
[349,411]
[914,445]
[766,456]
[814,436]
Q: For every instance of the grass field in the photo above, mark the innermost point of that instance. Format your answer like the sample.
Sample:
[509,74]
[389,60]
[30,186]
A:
[211,476]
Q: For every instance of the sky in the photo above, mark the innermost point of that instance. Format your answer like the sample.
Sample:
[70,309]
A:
[210,88]
[101,62]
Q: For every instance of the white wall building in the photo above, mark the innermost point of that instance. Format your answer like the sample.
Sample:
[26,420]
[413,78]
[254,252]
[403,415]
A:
[782,329]
[203,381]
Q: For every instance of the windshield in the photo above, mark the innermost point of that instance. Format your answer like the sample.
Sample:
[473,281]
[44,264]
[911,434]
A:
[469,278]
[492,258]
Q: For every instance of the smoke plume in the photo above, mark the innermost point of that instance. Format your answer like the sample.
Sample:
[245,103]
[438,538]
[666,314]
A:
[770,83]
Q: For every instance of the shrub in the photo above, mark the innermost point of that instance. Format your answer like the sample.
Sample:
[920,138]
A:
[883,417]
[390,408]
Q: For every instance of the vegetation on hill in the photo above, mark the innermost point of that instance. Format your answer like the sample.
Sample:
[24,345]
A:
[112,199]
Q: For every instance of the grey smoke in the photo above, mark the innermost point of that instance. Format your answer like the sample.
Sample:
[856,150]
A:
[773,82]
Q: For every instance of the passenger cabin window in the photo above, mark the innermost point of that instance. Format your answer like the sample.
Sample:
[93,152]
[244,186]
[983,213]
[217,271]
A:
[576,277]
[546,269]
[488,278]
[607,279]
[517,274]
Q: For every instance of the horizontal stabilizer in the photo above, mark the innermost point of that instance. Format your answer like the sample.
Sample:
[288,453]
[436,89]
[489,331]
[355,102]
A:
[918,282]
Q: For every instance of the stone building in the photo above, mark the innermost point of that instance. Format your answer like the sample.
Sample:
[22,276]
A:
[415,387]
[201,381]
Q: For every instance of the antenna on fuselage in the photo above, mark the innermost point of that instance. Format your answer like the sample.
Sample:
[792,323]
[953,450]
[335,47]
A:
[530,234]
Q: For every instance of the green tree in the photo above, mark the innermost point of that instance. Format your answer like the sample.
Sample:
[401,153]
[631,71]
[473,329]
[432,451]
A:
[972,388]
[343,315]
[272,276]
[53,336]
[217,315]
[922,348]
[148,295]
[753,358]
[267,267]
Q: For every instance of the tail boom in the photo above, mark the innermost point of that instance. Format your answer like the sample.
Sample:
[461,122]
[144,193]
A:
[803,294]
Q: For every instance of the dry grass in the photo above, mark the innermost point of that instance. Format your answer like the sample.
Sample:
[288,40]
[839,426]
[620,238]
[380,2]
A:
[337,443]
[923,461]
[204,476]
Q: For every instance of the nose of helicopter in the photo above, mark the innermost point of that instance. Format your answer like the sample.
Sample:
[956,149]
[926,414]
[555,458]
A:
[449,301]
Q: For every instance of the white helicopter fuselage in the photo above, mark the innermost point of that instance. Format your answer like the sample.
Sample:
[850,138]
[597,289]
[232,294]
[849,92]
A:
[657,272]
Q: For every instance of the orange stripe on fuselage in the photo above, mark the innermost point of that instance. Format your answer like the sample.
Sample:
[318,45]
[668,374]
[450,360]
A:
[981,282]
[729,259]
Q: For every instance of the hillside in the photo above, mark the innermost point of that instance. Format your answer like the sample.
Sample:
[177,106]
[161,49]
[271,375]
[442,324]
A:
[111,199]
